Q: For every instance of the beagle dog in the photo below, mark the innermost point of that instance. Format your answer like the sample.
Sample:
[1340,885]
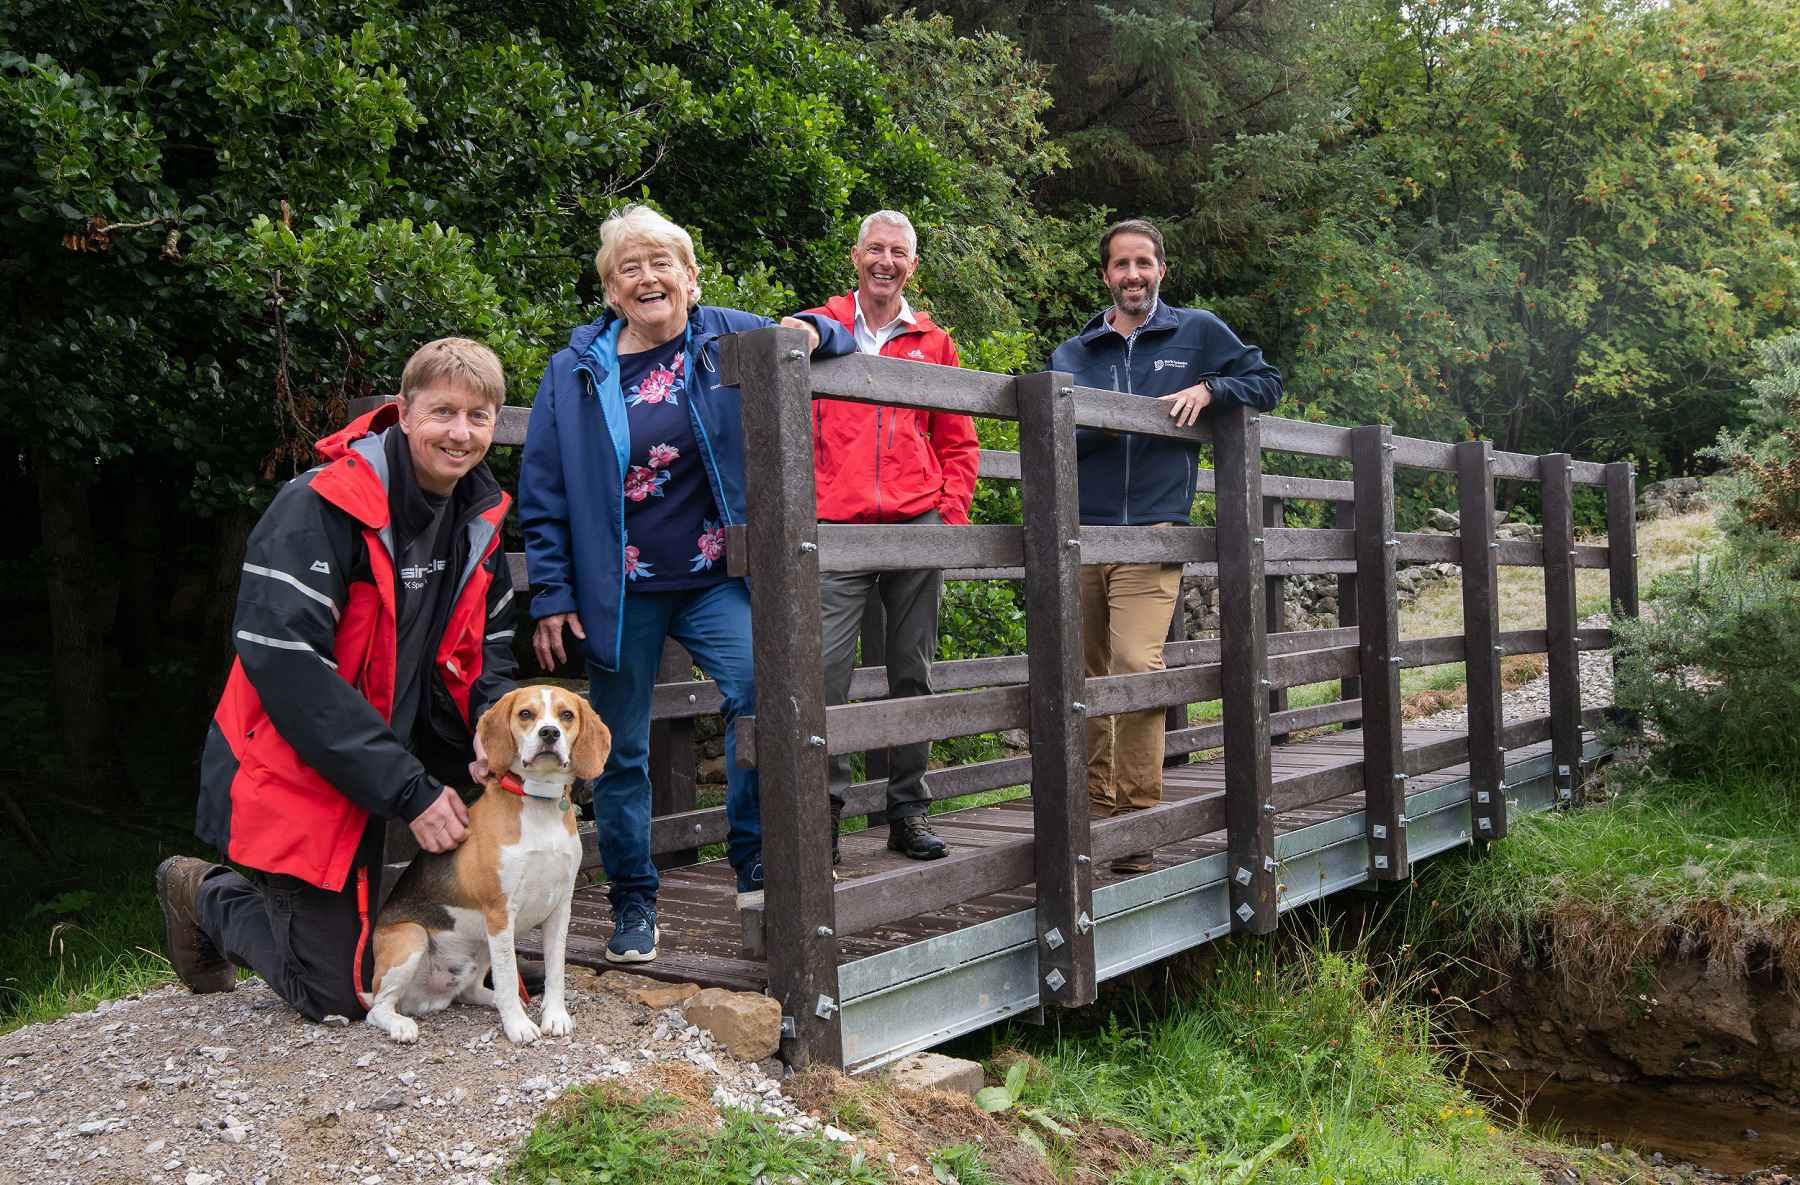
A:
[453,915]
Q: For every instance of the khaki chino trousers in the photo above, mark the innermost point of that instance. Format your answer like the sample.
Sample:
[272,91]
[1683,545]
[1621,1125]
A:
[1125,614]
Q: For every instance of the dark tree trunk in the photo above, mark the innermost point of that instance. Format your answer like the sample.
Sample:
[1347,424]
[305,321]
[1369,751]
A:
[142,575]
[214,654]
[80,613]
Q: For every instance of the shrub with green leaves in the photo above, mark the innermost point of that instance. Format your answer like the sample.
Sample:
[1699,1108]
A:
[1715,670]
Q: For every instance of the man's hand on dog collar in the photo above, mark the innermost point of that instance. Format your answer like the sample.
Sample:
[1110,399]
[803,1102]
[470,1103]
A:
[443,825]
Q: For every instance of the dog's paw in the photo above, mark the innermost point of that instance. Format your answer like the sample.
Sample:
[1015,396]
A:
[403,1029]
[557,1022]
[519,1029]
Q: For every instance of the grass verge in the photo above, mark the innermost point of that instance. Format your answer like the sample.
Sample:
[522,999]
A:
[1712,862]
[1304,1067]
[82,928]
[614,1132]
[1287,1062]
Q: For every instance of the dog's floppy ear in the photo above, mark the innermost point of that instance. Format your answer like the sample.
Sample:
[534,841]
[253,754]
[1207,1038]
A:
[592,746]
[495,731]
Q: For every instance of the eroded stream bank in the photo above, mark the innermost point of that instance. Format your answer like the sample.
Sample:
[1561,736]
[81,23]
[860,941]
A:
[1692,1057]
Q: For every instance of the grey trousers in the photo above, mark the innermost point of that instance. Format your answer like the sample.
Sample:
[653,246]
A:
[911,603]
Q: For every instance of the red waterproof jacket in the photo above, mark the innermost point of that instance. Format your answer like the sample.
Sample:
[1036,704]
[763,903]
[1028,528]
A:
[300,753]
[873,463]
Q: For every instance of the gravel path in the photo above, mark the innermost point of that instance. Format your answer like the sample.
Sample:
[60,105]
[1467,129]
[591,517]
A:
[1533,699]
[210,1090]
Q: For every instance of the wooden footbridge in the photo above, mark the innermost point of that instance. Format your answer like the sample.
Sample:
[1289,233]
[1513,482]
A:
[894,955]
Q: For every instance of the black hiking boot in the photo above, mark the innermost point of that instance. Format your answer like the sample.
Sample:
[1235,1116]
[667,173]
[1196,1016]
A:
[913,837]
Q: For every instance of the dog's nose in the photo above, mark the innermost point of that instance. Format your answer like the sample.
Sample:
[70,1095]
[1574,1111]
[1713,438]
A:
[549,732]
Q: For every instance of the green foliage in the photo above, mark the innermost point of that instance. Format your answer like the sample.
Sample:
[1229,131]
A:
[67,945]
[961,1164]
[980,619]
[602,1134]
[1303,1068]
[1712,671]
[1563,226]
[1763,509]
[250,216]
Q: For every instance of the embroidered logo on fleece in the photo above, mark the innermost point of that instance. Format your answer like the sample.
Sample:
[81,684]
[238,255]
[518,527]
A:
[919,354]
[1162,362]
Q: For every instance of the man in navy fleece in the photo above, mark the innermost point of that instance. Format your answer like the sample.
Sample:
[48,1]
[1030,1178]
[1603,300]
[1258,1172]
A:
[1190,360]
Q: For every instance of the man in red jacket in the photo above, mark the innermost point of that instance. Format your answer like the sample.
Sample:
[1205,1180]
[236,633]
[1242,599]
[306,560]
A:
[374,626]
[878,464]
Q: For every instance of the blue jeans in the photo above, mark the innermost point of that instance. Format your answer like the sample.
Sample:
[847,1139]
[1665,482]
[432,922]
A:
[713,623]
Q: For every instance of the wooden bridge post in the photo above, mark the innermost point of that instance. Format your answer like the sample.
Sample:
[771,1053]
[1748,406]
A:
[1378,626]
[1556,476]
[1481,638]
[1275,607]
[1343,518]
[772,369]
[1058,719]
[1244,662]
[672,772]
[1622,553]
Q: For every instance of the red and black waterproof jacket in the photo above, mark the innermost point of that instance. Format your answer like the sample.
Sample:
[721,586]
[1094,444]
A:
[873,463]
[300,753]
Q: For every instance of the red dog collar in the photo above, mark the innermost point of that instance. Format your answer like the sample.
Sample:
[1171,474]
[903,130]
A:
[512,785]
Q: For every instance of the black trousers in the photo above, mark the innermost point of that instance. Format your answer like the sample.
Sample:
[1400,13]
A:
[300,938]
[911,601]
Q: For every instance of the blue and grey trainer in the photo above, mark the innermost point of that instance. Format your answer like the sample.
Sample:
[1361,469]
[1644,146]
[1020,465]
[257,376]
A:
[634,933]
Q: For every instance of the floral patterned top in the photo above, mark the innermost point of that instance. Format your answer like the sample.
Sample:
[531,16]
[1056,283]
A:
[674,534]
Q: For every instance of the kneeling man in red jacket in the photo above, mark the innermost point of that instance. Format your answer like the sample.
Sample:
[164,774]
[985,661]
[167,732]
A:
[374,626]
[873,463]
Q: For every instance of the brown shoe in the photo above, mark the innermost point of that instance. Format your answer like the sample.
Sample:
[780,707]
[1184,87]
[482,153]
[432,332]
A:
[191,953]
[1135,863]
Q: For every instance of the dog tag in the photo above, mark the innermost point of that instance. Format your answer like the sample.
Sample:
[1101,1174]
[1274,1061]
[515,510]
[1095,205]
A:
[567,805]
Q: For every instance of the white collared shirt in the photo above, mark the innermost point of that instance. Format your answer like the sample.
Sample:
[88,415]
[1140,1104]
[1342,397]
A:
[870,341]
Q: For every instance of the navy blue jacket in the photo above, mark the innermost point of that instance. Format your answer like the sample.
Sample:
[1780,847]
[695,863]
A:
[572,474]
[1130,478]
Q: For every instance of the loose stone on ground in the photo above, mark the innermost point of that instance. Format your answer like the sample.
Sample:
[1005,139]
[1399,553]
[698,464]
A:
[176,1089]
[934,1071]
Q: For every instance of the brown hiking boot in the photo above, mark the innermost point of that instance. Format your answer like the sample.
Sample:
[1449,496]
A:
[191,953]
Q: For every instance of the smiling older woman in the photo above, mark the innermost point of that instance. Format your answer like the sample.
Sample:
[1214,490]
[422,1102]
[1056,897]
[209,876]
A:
[633,468]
